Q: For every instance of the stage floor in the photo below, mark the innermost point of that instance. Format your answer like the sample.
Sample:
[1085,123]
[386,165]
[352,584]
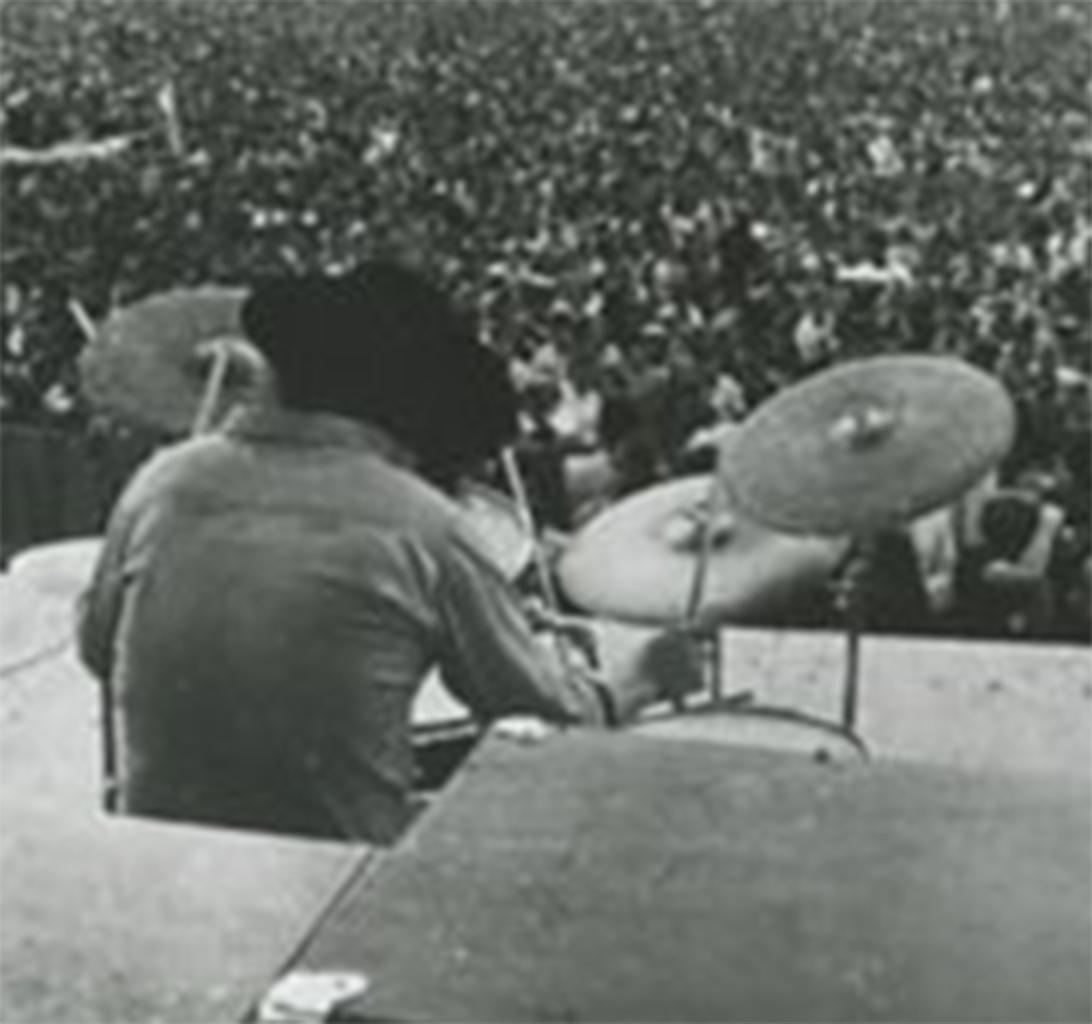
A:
[135,920]
[599,876]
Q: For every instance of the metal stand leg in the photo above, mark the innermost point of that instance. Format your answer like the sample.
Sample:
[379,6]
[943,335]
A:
[741,704]
[859,554]
[111,754]
[214,389]
[713,649]
[710,643]
[716,682]
[853,662]
[705,551]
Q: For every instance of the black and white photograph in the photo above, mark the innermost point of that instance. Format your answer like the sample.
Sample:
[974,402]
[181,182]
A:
[545,511]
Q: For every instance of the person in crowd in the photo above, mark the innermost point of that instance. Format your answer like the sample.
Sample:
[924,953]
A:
[618,184]
[541,455]
[883,587]
[270,598]
[936,544]
[1009,584]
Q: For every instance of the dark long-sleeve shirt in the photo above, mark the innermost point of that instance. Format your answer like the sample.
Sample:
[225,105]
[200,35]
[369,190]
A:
[266,605]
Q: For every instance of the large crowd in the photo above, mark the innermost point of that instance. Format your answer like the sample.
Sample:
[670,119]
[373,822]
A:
[662,212]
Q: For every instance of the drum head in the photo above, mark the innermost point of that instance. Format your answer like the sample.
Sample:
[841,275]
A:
[62,569]
[34,626]
[761,728]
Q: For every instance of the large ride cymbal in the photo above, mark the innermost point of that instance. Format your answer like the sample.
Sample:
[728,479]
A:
[636,560]
[868,445]
[150,362]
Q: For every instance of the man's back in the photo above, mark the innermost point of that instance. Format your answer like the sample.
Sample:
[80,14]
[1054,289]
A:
[278,611]
[268,601]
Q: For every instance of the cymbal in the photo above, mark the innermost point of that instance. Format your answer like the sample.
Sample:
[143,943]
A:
[151,361]
[868,444]
[636,560]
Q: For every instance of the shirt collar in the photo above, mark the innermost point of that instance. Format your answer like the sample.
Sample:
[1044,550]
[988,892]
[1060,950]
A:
[276,425]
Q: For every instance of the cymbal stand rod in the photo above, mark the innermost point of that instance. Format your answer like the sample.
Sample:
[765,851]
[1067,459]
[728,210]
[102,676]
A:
[697,586]
[853,660]
[111,767]
[705,551]
[717,658]
[214,389]
[113,772]
[853,610]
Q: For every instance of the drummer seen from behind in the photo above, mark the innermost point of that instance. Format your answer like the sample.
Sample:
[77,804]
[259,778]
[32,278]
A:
[271,596]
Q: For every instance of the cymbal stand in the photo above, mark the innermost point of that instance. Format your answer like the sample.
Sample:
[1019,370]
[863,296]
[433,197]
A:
[859,552]
[741,703]
[213,391]
[706,528]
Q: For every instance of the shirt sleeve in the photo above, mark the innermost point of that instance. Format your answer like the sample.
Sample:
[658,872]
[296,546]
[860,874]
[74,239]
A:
[489,656]
[99,608]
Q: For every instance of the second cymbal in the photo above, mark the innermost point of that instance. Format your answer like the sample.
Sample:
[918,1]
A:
[150,362]
[868,445]
[635,561]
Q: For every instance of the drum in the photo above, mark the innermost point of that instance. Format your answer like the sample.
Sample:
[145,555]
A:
[437,715]
[62,569]
[495,521]
[34,626]
[623,654]
[443,735]
[39,595]
[760,727]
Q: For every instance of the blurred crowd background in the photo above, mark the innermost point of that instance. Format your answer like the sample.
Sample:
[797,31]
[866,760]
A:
[661,212]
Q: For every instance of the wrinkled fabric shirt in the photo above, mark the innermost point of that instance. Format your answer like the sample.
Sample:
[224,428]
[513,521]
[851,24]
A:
[266,606]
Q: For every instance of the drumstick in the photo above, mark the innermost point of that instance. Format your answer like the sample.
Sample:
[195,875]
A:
[214,387]
[523,504]
[510,467]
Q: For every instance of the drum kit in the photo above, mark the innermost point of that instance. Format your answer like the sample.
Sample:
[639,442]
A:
[797,491]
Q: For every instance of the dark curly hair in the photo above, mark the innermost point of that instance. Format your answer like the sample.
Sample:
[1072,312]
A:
[384,345]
